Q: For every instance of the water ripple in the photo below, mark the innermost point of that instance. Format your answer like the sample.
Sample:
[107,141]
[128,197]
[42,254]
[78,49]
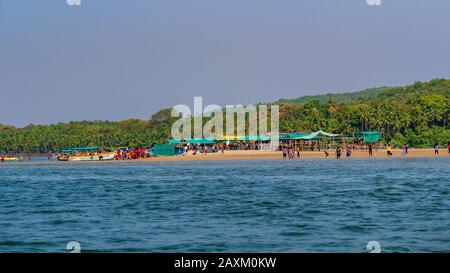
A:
[233,206]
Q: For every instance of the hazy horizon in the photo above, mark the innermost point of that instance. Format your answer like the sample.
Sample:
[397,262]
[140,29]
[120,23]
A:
[189,104]
[115,60]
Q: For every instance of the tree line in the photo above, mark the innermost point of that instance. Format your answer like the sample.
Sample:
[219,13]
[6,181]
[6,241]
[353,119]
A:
[417,114]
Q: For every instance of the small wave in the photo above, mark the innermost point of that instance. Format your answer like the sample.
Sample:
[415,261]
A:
[353,228]
[294,234]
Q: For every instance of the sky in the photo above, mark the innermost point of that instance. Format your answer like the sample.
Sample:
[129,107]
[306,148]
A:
[119,59]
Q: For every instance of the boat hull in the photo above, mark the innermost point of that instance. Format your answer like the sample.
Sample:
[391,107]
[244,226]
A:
[103,157]
[9,159]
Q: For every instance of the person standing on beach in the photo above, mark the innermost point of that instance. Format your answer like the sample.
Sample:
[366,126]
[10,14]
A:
[404,150]
[349,151]
[284,152]
[338,152]
[448,147]
[389,150]
[370,150]
[436,149]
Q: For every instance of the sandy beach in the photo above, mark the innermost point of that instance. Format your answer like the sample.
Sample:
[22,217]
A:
[267,155]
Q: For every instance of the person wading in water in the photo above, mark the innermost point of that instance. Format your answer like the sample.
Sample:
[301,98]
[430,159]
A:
[389,150]
[436,149]
[338,152]
[349,151]
[404,150]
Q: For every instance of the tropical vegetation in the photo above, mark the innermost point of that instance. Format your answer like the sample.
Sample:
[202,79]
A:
[417,114]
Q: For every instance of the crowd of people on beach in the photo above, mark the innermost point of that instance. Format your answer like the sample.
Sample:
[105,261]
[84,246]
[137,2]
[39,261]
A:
[119,154]
[129,153]
[204,149]
[404,147]
[291,151]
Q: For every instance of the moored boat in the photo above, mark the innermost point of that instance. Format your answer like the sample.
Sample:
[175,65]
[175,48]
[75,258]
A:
[63,158]
[91,153]
[93,157]
[9,159]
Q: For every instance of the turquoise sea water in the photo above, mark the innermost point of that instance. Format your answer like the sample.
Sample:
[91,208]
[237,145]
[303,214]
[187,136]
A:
[232,206]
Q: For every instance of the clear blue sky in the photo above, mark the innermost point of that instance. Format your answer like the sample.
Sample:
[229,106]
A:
[119,59]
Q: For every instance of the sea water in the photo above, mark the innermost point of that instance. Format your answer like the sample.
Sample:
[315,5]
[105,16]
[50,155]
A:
[323,205]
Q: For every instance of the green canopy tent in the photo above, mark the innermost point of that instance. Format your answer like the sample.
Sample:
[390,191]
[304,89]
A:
[201,140]
[296,136]
[372,136]
[283,137]
[316,135]
[193,141]
[309,137]
[254,138]
[175,141]
[87,148]
[167,150]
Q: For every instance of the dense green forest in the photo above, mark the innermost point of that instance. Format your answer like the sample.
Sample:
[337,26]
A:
[340,97]
[417,114]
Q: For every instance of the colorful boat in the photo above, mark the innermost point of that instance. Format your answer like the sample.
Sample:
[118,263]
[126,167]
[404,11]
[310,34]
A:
[9,159]
[90,153]
[94,157]
[63,158]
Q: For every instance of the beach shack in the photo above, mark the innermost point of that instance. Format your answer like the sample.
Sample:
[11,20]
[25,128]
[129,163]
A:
[313,141]
[167,150]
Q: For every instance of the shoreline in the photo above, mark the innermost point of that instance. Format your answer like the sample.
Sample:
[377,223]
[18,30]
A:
[254,155]
[273,155]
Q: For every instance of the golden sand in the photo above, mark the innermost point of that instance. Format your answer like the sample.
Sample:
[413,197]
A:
[265,155]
